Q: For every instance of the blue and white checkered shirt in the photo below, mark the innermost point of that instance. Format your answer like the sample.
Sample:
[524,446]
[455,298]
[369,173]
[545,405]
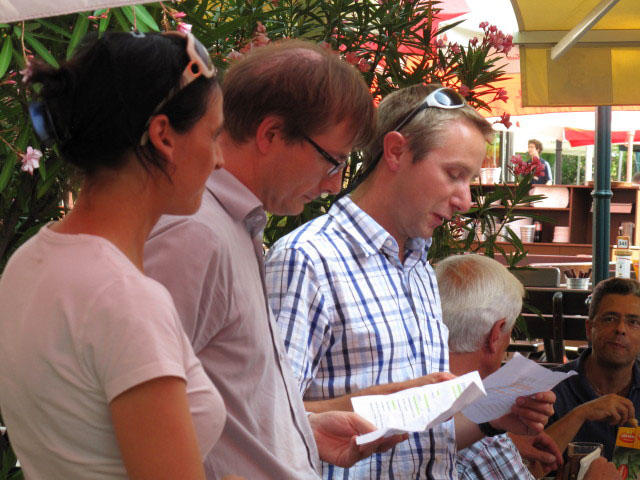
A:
[352,316]
[492,458]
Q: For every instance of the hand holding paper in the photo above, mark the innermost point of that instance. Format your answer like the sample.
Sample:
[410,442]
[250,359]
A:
[417,409]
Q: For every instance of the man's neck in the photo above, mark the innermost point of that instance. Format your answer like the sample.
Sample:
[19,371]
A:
[605,379]
[375,203]
[465,362]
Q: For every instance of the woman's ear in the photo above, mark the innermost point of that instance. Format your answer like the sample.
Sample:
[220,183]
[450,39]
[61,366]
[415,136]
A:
[162,136]
[394,146]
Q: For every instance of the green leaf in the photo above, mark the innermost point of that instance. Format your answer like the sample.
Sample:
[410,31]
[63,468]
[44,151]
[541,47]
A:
[41,50]
[122,21]
[134,20]
[79,31]
[5,55]
[53,27]
[53,173]
[7,171]
[104,23]
[143,15]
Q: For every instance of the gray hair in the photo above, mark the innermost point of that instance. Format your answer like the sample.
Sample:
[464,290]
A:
[476,291]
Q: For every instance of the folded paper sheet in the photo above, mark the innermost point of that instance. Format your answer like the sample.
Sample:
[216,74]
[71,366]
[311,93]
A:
[519,377]
[418,409]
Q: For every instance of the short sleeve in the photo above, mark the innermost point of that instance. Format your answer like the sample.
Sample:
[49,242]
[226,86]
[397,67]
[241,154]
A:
[132,335]
[185,256]
[300,311]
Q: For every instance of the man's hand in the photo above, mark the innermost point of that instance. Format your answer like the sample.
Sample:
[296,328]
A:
[600,469]
[541,454]
[529,415]
[613,408]
[335,434]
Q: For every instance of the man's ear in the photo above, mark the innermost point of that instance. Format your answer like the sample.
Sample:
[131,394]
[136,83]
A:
[269,129]
[393,147]
[588,326]
[491,343]
[162,136]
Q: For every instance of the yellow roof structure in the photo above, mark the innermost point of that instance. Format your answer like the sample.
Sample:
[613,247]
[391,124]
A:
[579,52]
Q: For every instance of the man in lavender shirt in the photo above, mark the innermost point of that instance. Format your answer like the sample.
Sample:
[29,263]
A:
[293,112]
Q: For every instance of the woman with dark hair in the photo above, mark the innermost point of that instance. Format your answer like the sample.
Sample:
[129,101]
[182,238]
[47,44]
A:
[97,378]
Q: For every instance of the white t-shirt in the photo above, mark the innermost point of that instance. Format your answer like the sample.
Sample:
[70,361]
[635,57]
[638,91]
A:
[80,324]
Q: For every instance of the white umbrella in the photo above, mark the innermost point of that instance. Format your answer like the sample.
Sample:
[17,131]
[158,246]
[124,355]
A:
[17,10]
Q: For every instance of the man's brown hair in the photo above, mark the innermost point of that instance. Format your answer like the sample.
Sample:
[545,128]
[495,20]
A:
[426,131]
[537,144]
[307,85]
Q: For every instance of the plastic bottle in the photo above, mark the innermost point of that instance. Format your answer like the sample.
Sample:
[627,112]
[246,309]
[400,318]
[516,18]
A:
[623,263]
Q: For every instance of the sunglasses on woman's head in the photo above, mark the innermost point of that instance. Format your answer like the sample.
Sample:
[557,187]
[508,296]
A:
[199,65]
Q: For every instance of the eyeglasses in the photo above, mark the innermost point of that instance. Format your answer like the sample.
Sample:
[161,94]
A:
[337,166]
[444,98]
[631,321]
[199,65]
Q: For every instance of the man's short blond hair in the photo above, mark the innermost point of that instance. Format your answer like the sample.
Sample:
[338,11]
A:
[426,131]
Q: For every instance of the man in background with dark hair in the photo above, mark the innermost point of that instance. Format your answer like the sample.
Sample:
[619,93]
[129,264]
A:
[535,151]
[355,297]
[606,391]
[292,113]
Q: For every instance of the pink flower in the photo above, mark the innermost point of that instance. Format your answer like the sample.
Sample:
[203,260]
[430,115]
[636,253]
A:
[233,55]
[502,95]
[505,120]
[463,90]
[260,28]
[455,48]
[261,40]
[484,25]
[27,71]
[473,42]
[440,43]
[31,160]
[493,28]
[363,65]
[184,27]
[178,15]
[352,58]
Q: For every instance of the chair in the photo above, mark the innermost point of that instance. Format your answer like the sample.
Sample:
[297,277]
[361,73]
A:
[563,317]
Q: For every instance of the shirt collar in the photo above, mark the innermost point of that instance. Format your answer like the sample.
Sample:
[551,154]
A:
[582,370]
[237,200]
[369,234]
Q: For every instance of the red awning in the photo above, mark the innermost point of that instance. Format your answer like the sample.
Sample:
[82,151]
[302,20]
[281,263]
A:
[577,137]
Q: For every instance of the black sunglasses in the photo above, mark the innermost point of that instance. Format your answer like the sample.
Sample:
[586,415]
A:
[337,165]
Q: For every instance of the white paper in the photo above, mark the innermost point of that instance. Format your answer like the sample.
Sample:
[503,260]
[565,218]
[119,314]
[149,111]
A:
[518,377]
[585,463]
[417,409]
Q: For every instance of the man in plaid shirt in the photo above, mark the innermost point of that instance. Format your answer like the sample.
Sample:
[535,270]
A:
[355,298]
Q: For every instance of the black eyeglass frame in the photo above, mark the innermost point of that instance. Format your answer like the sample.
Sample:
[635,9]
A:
[337,165]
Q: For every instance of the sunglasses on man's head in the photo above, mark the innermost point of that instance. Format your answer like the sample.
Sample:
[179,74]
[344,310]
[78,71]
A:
[199,65]
[444,98]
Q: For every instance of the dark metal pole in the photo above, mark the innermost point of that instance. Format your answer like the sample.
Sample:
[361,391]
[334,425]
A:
[557,178]
[602,195]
